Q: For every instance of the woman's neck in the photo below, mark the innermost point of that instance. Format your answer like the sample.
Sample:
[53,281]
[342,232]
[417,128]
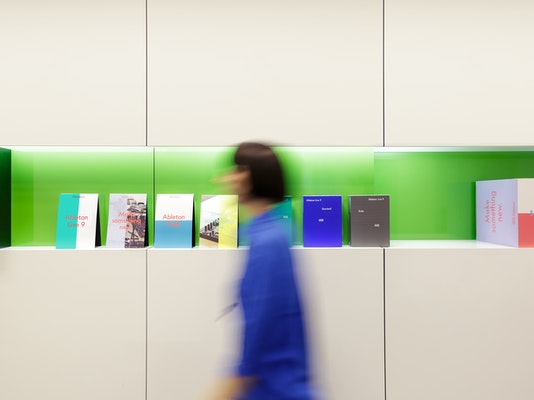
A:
[258,206]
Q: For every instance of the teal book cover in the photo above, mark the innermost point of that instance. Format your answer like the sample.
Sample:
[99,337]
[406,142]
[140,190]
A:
[77,221]
[284,211]
[173,226]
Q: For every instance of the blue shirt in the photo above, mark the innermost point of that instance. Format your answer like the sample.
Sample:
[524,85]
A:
[274,344]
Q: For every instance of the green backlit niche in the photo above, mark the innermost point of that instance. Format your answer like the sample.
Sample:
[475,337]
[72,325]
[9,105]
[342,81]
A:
[433,192]
[191,170]
[40,175]
[5,197]
[326,171]
[342,171]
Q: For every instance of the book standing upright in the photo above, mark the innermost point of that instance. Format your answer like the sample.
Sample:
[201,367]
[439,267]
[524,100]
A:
[322,223]
[127,221]
[173,227]
[77,221]
[505,212]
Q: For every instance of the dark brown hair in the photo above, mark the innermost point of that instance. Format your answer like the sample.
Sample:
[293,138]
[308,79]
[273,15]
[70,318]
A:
[266,175]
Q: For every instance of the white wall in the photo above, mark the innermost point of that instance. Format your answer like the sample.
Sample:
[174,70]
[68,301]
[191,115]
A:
[292,72]
[459,73]
[72,72]
[303,73]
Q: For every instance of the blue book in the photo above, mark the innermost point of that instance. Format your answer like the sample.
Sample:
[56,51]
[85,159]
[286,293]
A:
[173,226]
[322,222]
[77,221]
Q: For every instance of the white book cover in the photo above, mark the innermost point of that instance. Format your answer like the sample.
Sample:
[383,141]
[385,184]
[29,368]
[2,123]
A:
[505,212]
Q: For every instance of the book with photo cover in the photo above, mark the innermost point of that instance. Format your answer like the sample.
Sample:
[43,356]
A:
[173,226]
[322,222]
[218,221]
[78,224]
[369,221]
[127,221]
[505,212]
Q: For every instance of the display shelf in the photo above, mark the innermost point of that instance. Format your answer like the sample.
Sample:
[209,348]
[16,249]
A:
[444,244]
[432,190]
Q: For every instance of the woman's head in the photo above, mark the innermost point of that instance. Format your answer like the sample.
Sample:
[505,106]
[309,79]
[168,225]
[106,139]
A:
[260,172]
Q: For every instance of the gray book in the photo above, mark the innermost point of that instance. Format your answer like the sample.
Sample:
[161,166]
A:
[369,221]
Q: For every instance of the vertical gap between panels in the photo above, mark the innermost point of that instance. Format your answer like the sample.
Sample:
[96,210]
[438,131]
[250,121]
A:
[146,72]
[384,320]
[383,73]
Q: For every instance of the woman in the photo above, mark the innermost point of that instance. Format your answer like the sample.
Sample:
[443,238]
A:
[273,363]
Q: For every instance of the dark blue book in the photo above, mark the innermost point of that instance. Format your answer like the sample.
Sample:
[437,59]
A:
[322,222]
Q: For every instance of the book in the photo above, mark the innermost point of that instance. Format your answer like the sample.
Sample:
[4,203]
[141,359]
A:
[322,223]
[505,212]
[284,211]
[218,221]
[78,224]
[127,221]
[369,221]
[173,227]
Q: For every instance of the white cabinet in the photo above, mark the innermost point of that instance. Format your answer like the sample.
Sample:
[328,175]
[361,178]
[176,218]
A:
[303,73]
[459,323]
[459,74]
[72,324]
[191,341]
[73,72]
[344,299]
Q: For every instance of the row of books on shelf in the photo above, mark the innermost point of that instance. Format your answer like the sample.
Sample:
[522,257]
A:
[78,225]
[504,216]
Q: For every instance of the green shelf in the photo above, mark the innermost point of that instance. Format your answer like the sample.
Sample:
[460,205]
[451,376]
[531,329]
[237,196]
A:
[432,190]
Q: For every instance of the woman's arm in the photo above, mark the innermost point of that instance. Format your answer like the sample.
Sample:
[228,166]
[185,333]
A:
[230,388]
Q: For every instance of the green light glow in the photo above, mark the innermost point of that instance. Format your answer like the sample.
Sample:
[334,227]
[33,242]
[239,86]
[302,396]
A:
[432,190]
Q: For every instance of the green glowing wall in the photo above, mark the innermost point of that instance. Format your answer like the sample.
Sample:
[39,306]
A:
[5,197]
[432,192]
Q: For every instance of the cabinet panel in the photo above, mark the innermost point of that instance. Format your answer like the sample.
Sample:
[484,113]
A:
[191,341]
[344,293]
[221,72]
[73,72]
[457,73]
[73,324]
[190,338]
[459,323]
